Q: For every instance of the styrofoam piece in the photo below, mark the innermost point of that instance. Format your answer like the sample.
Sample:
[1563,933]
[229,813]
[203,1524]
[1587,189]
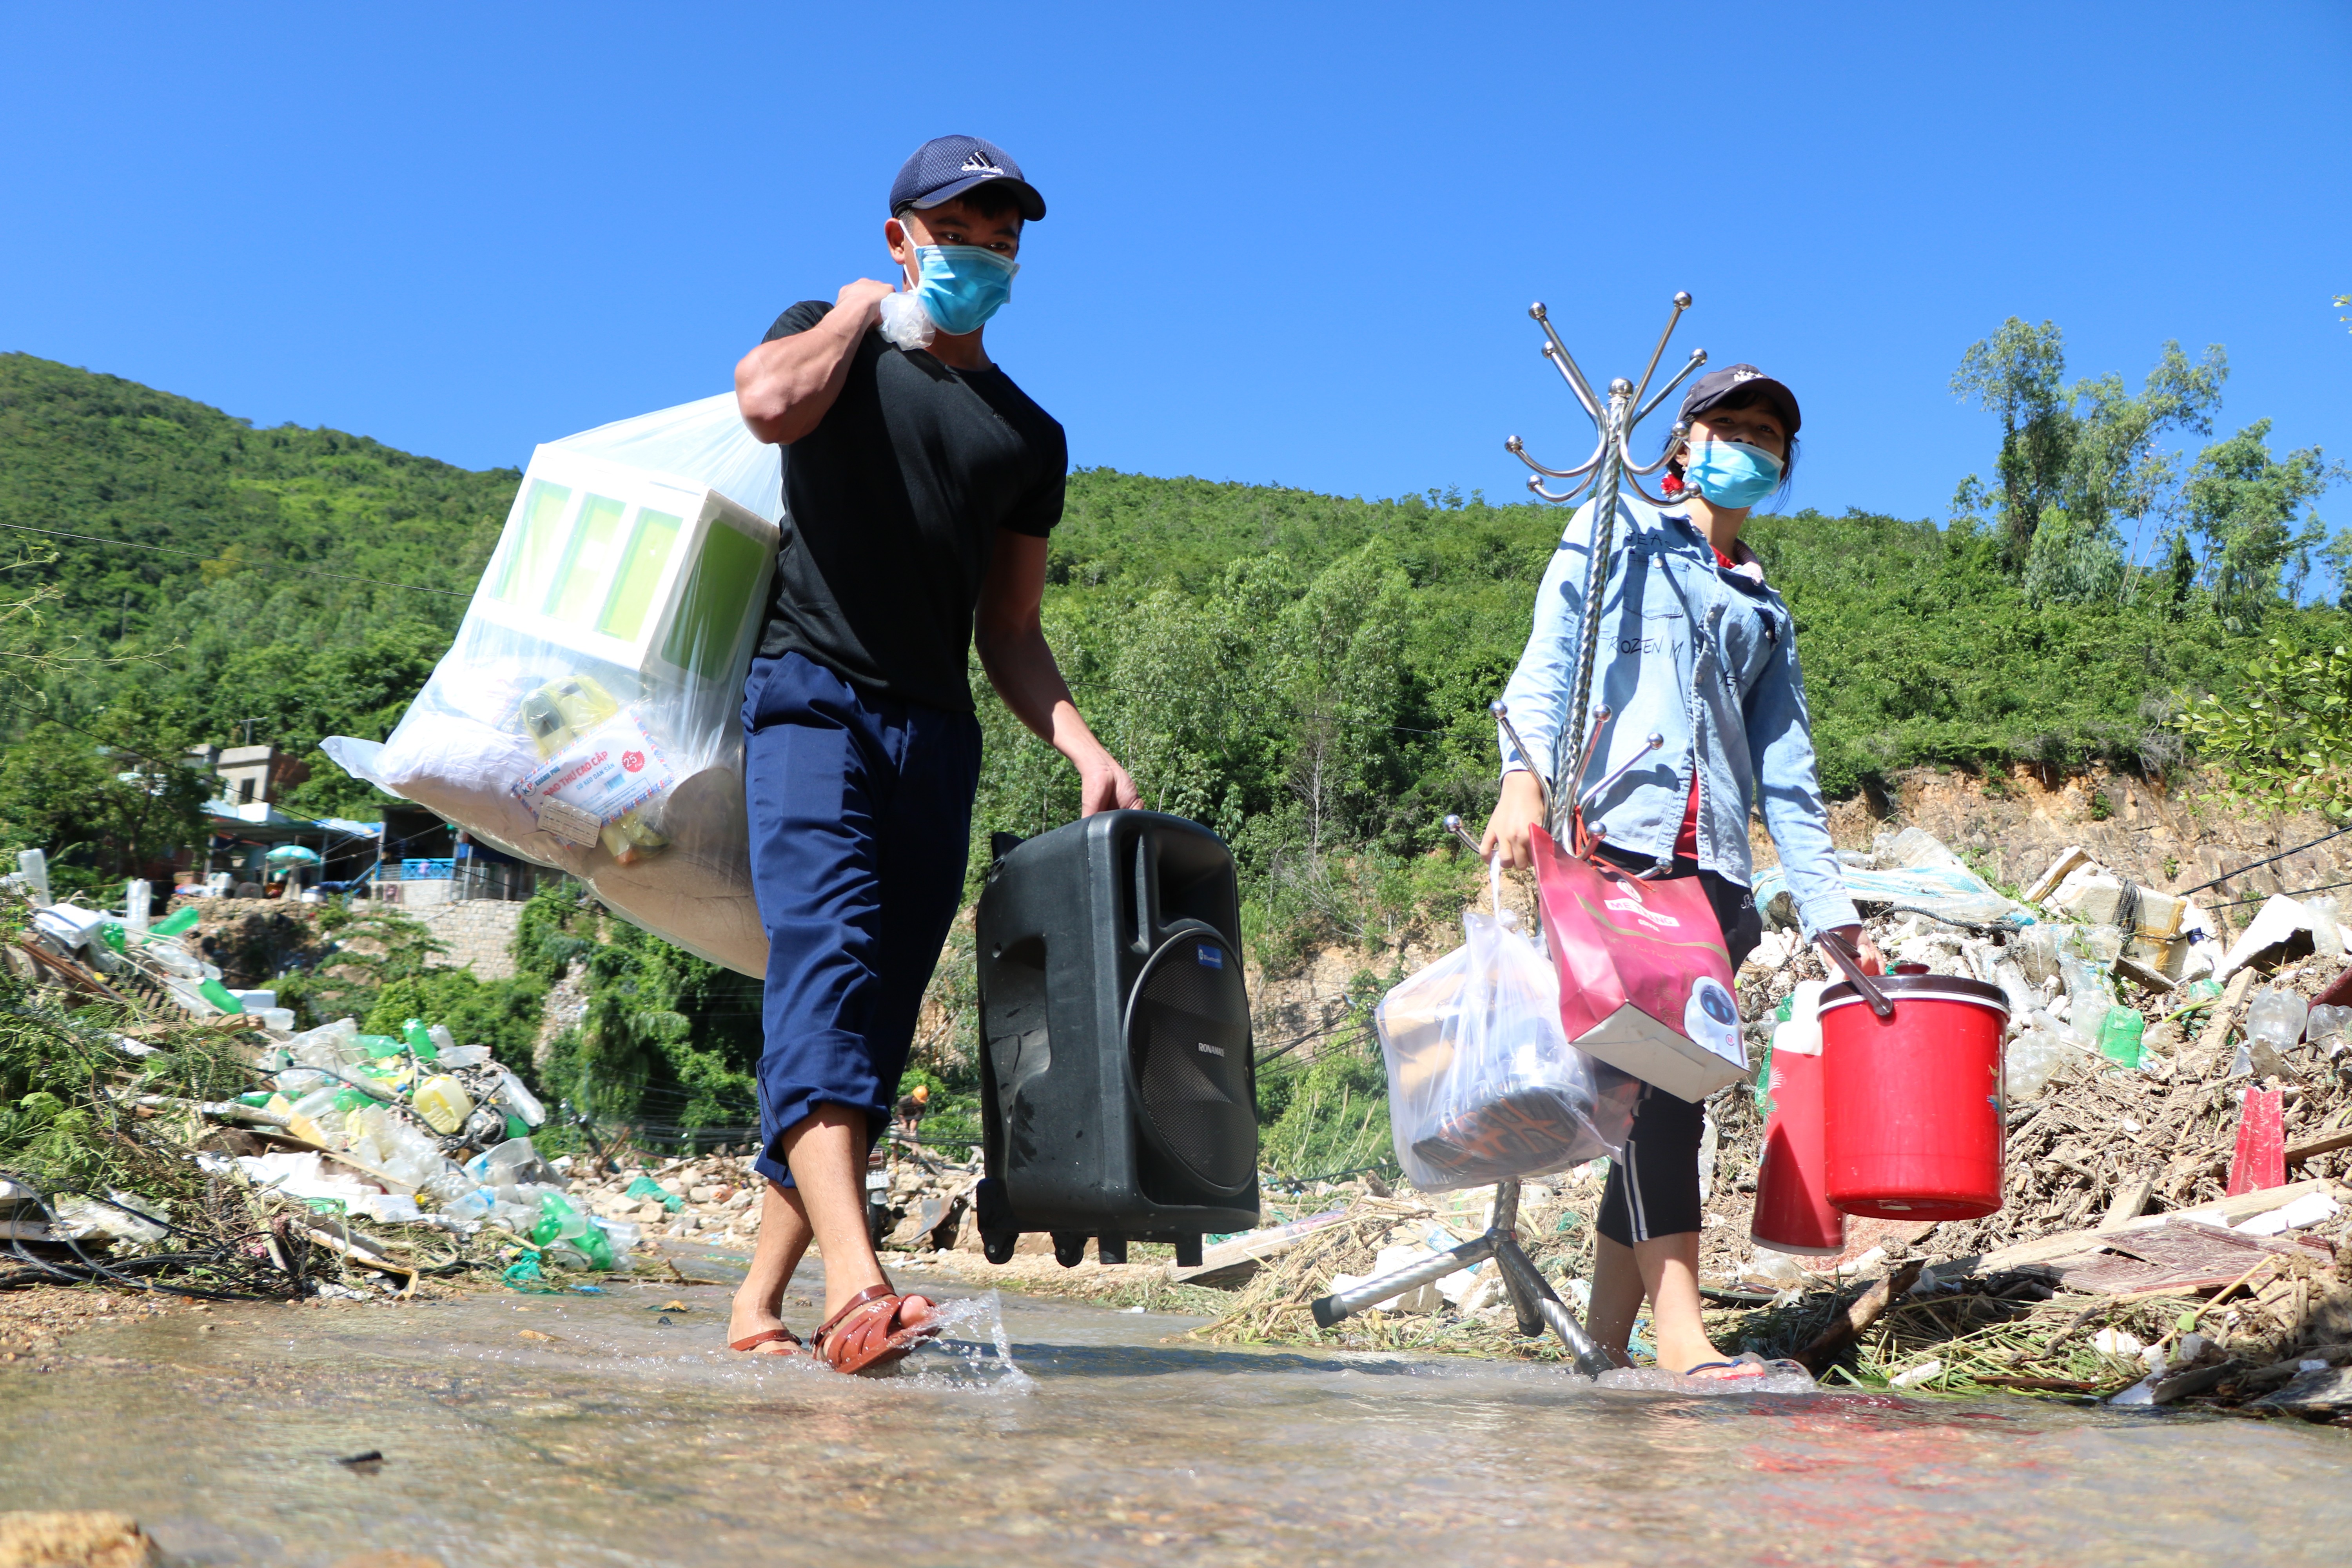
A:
[2309,1209]
[69,924]
[2274,925]
[628,567]
[1390,1259]
[706,439]
[2073,855]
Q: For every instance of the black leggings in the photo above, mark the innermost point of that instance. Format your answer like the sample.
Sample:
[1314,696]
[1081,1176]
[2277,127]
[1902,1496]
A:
[1653,1189]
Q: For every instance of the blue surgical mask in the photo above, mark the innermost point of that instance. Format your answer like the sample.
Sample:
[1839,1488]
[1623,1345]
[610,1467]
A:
[962,285]
[1731,473]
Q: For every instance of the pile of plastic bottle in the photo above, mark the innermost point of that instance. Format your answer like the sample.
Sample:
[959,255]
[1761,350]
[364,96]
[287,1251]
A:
[445,1120]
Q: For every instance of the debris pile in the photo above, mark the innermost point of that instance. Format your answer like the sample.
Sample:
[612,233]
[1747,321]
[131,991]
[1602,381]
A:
[122,959]
[159,1127]
[2177,1103]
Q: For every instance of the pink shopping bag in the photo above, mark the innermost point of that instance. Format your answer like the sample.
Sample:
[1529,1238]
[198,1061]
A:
[1644,978]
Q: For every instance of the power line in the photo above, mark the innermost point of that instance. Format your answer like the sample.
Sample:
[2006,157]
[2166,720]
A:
[257,565]
[2298,893]
[2257,865]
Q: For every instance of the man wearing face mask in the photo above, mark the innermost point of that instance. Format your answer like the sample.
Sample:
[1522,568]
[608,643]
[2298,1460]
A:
[1695,648]
[919,485]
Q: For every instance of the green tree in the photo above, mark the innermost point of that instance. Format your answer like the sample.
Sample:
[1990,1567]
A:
[2077,462]
[670,1041]
[2243,506]
[107,800]
[2284,737]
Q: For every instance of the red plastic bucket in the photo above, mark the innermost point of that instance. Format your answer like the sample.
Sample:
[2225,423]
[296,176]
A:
[1911,1121]
[1793,1213]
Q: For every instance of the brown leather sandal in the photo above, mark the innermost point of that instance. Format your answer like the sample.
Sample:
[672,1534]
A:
[751,1342]
[867,1332]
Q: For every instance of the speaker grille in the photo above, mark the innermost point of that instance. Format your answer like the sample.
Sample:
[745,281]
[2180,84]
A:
[1188,1037]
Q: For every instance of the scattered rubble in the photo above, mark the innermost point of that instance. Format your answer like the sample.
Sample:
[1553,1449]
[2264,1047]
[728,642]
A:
[2128,1064]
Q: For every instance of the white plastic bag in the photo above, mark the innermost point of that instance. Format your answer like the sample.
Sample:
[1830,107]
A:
[906,323]
[588,716]
[1483,1084]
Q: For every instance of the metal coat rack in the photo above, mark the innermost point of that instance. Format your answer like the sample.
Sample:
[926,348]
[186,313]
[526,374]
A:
[1604,475]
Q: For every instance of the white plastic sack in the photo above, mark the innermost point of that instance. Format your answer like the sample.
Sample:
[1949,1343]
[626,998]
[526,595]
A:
[704,441]
[587,717]
[1483,1084]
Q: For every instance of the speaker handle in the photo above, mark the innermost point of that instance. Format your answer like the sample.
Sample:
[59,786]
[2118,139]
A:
[1147,896]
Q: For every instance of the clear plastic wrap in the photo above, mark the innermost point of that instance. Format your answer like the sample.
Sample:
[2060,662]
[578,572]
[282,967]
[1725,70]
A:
[906,323]
[1483,1084]
[587,716]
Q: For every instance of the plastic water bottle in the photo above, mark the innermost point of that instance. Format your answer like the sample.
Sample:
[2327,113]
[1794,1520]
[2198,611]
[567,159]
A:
[511,1095]
[2031,1060]
[33,865]
[2035,949]
[2278,1017]
[2119,1035]
[2328,1024]
[558,1220]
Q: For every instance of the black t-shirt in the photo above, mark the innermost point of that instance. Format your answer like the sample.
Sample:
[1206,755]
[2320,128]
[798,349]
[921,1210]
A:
[892,504]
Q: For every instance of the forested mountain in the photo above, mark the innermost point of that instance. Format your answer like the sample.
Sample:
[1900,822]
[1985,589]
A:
[301,580]
[1307,673]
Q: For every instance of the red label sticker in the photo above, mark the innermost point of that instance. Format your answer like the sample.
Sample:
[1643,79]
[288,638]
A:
[633,761]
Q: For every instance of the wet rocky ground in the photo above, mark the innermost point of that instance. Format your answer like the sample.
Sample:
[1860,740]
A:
[614,1429]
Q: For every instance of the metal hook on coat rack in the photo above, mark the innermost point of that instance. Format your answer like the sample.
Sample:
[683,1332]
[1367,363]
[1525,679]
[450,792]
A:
[1609,470]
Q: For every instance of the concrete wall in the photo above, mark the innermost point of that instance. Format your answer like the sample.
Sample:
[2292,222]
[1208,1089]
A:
[479,933]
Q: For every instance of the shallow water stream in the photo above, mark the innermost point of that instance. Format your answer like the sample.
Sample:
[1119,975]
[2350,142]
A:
[585,1430]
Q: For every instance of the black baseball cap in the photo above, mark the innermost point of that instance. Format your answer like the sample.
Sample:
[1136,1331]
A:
[945,167]
[1717,385]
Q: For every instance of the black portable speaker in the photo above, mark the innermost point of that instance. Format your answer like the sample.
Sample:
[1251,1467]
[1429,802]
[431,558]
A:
[1118,1096]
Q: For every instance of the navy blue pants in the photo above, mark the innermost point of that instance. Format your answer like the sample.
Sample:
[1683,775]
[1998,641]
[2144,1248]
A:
[861,823]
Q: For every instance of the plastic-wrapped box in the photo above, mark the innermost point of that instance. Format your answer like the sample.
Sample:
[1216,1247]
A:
[587,717]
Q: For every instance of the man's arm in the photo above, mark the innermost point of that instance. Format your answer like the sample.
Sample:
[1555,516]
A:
[1012,642]
[786,385]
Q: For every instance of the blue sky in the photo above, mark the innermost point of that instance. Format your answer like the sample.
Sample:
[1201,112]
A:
[1286,243]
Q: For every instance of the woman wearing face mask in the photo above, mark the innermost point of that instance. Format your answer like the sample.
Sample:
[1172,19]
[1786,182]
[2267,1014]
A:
[1696,647]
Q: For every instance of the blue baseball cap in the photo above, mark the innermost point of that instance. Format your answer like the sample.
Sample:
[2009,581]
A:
[1717,385]
[945,167]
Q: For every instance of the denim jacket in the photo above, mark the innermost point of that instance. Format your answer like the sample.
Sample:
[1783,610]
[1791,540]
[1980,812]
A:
[1706,658]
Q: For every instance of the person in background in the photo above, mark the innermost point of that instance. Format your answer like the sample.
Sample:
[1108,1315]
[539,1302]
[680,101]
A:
[1696,647]
[920,484]
[912,1109]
